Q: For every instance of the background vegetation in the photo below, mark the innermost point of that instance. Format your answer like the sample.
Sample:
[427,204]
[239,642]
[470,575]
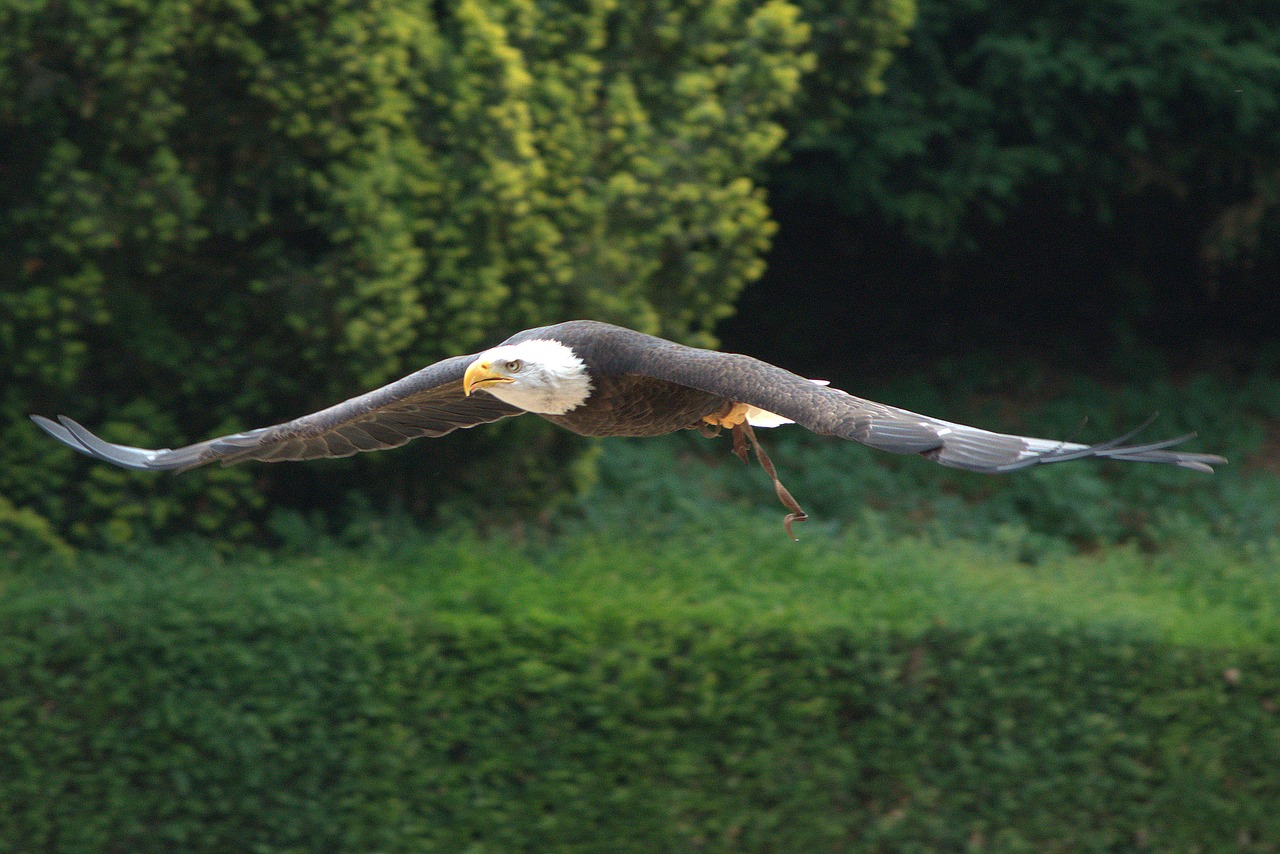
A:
[1037,175]
[722,689]
[218,215]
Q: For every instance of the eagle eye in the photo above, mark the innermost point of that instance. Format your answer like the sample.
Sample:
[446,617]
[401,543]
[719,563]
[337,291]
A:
[513,366]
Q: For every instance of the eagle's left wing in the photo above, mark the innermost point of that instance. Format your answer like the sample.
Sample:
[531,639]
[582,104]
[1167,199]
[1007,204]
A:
[833,412]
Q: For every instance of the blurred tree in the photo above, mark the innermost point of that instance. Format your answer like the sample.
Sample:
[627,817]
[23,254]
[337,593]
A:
[225,213]
[994,107]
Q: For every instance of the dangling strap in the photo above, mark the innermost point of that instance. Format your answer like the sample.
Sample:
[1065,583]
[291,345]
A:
[744,435]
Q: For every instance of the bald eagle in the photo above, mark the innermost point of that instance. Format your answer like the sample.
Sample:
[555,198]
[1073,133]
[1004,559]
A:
[597,379]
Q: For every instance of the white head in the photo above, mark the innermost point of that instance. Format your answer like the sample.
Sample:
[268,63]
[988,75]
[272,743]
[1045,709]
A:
[541,376]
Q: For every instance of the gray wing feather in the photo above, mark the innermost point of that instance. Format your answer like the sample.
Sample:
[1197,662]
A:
[429,402]
[833,412]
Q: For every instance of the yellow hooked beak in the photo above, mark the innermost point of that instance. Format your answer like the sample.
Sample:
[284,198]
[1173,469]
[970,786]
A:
[482,375]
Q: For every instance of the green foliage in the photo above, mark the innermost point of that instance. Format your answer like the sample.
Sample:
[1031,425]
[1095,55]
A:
[853,41]
[612,691]
[25,534]
[219,216]
[993,103]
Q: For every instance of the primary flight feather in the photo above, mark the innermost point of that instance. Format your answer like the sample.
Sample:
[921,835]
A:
[597,379]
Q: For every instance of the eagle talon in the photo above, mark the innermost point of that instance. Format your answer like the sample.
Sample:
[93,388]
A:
[792,518]
[742,435]
[740,448]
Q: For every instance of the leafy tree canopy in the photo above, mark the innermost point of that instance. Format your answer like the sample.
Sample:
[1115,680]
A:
[225,213]
[1098,102]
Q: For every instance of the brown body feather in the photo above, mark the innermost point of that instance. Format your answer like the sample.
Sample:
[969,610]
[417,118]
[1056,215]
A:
[636,405]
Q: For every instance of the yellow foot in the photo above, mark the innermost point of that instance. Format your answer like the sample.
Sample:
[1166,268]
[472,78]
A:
[737,414]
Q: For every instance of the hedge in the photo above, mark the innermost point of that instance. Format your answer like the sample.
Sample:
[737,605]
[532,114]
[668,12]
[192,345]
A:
[215,708]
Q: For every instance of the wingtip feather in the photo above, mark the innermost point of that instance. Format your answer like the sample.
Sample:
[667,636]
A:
[73,435]
[61,433]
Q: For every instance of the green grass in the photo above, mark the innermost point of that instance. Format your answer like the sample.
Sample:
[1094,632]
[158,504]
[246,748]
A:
[1201,595]
[736,563]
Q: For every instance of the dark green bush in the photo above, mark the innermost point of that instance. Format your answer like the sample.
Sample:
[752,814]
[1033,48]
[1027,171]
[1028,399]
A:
[197,706]
[1002,109]
[221,215]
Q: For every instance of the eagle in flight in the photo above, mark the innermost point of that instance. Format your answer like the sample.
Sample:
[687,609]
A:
[597,379]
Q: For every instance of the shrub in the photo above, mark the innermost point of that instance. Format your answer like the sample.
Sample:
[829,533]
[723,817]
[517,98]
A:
[219,216]
[195,705]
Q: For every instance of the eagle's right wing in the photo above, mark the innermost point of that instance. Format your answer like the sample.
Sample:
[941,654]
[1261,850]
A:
[429,402]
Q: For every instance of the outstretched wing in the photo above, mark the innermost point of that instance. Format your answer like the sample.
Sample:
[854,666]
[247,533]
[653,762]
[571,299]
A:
[833,412]
[429,402]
